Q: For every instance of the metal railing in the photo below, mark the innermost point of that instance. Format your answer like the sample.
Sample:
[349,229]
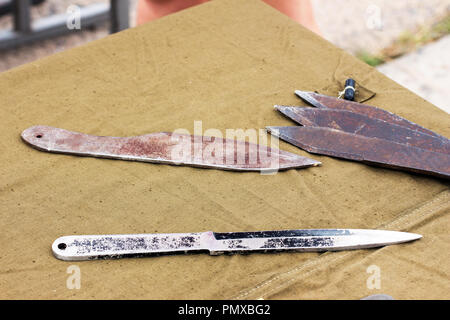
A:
[25,31]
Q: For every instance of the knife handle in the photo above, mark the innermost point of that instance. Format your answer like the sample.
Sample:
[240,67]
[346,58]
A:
[91,247]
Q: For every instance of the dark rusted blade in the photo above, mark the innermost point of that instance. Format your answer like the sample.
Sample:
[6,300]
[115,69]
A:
[375,151]
[357,123]
[167,148]
[323,101]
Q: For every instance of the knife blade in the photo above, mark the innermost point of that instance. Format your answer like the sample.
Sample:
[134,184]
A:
[374,151]
[91,247]
[167,148]
[357,123]
[326,102]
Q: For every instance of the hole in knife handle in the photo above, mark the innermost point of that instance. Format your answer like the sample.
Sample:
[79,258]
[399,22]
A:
[62,246]
[39,136]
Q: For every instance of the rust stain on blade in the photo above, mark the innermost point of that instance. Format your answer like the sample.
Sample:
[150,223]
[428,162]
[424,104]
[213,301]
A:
[375,151]
[327,102]
[357,123]
[167,148]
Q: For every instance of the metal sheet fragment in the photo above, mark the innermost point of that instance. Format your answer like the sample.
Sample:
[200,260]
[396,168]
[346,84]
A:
[375,151]
[360,124]
[327,102]
[167,148]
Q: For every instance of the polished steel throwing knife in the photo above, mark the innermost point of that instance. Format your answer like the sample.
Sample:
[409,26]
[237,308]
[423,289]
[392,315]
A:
[91,247]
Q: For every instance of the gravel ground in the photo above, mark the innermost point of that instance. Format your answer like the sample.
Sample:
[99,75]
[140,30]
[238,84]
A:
[354,25]
[425,72]
[371,25]
[15,57]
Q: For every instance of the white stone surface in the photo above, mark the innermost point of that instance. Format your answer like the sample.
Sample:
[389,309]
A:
[371,25]
[426,72]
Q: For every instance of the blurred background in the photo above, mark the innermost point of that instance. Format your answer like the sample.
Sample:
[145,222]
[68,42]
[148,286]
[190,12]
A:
[407,40]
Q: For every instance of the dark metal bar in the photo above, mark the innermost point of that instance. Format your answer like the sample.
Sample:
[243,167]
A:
[120,19]
[22,21]
[7,6]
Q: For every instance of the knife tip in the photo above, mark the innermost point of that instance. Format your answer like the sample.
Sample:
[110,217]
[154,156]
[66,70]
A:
[309,97]
[303,161]
[283,108]
[399,237]
[300,162]
[415,236]
[273,130]
[301,93]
